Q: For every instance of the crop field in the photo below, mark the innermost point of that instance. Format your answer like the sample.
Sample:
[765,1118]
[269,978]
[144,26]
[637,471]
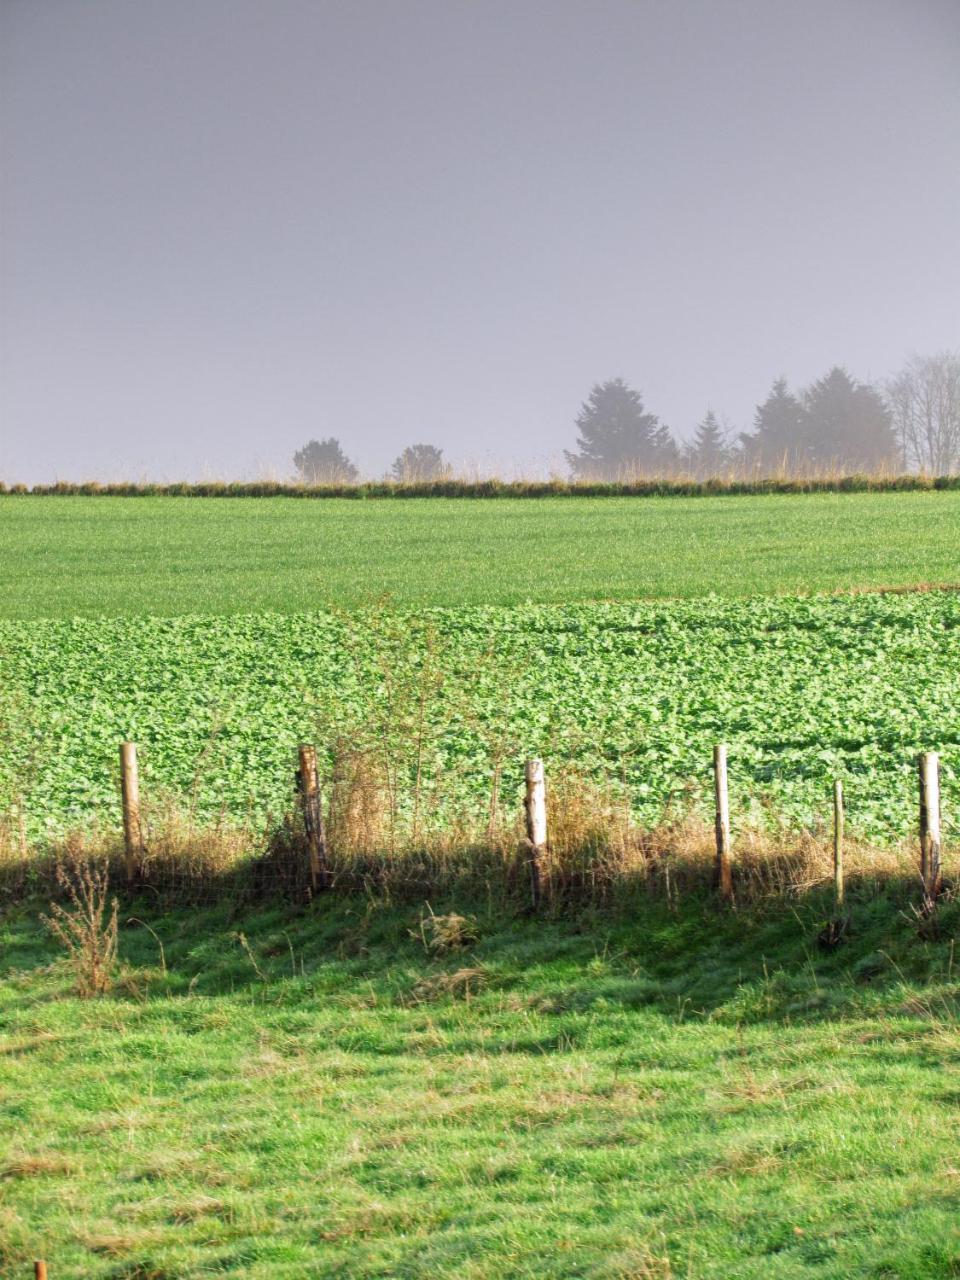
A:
[803,690]
[170,556]
[644,1087]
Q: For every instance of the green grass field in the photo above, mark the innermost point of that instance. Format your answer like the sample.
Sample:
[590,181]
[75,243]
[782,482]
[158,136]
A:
[642,1091]
[667,1095]
[170,556]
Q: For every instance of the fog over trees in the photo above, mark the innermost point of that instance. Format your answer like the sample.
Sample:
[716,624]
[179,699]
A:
[836,424]
[709,452]
[324,462]
[617,435]
[419,464]
[924,401]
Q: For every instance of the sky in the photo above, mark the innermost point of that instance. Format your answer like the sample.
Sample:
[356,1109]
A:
[230,226]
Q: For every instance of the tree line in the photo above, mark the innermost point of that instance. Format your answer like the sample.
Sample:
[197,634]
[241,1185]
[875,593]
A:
[837,424]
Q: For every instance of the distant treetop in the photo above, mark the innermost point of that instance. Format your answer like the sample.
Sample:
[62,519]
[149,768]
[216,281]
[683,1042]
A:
[324,462]
[617,438]
[709,452]
[419,464]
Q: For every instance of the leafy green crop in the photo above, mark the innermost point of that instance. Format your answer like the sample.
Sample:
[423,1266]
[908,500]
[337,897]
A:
[802,690]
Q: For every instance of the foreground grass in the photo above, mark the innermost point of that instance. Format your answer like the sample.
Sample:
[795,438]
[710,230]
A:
[687,1095]
[169,556]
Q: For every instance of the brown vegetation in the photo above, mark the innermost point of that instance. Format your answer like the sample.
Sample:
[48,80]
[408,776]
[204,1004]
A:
[735,481]
[597,854]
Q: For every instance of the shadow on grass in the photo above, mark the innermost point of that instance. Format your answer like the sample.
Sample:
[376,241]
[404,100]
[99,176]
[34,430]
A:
[688,959]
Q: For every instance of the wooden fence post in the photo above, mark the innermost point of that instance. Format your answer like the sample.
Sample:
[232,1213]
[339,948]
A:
[535,808]
[130,795]
[39,1270]
[930,824]
[838,842]
[724,870]
[313,816]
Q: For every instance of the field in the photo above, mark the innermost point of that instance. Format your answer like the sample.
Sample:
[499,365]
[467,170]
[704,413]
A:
[802,690]
[664,1096]
[170,556]
[637,1084]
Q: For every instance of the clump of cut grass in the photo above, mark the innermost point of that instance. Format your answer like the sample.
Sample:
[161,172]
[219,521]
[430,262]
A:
[450,932]
[35,1164]
[461,984]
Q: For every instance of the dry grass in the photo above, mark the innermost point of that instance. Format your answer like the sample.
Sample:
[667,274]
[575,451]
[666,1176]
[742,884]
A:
[739,476]
[445,933]
[85,927]
[460,985]
[358,819]
[36,1165]
[597,851]
[178,851]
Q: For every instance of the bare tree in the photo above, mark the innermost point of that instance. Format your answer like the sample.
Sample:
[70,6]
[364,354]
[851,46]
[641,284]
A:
[924,399]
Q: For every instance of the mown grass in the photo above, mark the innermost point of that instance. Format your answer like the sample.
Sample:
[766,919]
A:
[649,1094]
[61,556]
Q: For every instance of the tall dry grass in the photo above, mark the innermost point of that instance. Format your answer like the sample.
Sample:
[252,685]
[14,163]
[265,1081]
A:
[597,854]
[737,478]
[85,922]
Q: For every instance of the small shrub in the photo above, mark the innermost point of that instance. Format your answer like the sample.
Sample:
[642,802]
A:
[84,926]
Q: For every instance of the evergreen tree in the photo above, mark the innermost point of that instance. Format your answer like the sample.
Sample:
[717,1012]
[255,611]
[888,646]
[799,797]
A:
[780,438]
[708,452]
[617,438]
[848,424]
[666,455]
[419,463]
[324,462]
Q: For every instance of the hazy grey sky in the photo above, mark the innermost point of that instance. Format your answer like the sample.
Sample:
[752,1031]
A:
[230,225]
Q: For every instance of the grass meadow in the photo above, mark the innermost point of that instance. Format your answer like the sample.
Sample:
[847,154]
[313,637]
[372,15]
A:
[92,556]
[412,1075]
[669,1093]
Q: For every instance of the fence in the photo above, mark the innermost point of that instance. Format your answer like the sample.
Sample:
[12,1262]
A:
[536,822]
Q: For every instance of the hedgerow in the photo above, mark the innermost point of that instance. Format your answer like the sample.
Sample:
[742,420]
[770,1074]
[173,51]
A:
[494,488]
